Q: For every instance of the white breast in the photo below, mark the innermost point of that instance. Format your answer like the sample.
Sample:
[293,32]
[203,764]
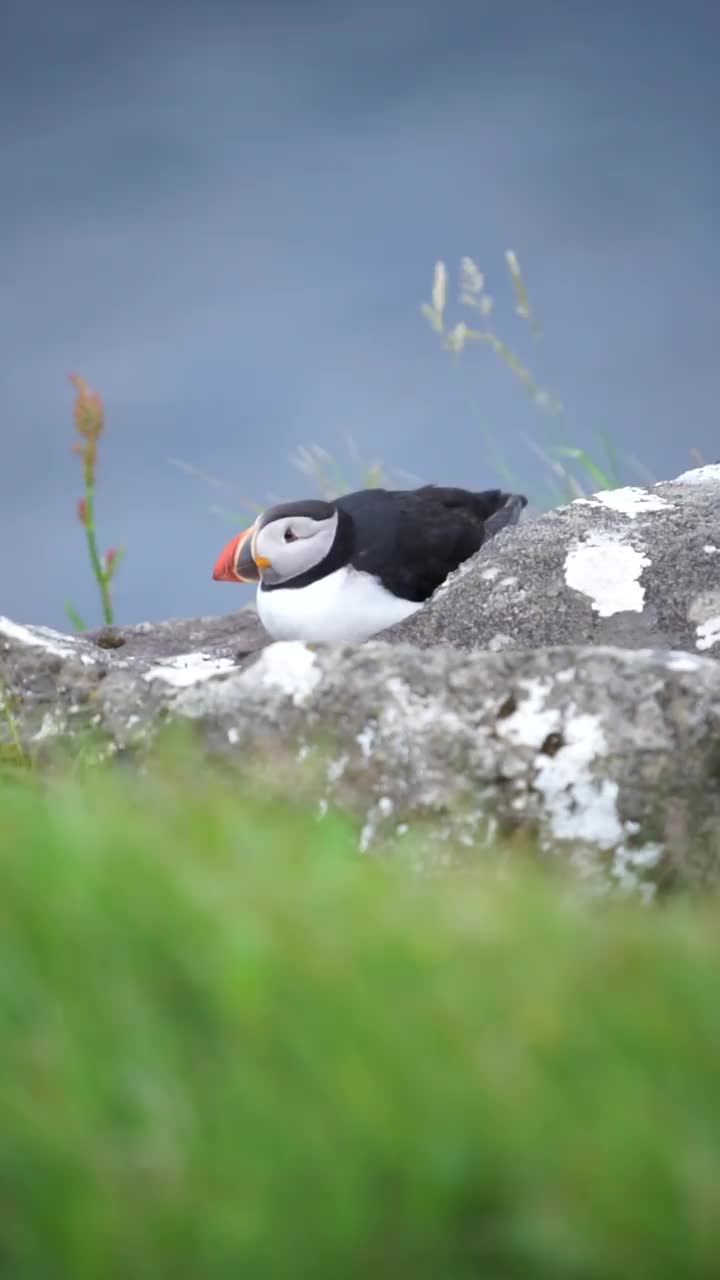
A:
[346,607]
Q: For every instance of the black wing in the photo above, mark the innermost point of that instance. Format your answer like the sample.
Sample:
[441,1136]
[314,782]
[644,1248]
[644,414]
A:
[412,539]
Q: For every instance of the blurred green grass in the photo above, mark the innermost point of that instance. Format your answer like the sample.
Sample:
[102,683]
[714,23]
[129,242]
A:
[230,1046]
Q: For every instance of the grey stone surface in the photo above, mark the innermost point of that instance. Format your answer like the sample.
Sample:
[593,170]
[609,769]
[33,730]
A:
[637,568]
[53,680]
[606,758]
[233,635]
[509,713]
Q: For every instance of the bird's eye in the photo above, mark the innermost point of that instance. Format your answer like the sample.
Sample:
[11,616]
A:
[290,536]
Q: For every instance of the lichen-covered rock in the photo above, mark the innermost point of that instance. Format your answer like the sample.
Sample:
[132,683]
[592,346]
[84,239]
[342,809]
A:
[50,681]
[499,708]
[607,758]
[638,568]
[116,681]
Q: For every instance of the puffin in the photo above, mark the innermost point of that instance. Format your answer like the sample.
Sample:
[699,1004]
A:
[340,572]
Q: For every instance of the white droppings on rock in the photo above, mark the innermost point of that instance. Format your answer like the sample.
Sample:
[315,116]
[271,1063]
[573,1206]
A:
[233,736]
[700,475]
[290,666]
[608,570]
[678,660]
[508,582]
[631,501]
[188,668]
[530,724]
[53,642]
[708,633]
[489,575]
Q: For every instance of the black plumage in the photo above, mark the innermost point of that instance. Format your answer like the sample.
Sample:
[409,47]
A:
[410,539]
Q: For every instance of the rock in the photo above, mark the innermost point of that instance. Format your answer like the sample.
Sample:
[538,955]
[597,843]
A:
[234,636]
[509,714]
[637,568]
[52,680]
[604,757]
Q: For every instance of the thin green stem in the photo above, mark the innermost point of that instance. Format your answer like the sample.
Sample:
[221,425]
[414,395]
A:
[101,576]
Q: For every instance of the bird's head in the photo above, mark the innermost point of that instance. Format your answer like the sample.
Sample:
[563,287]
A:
[284,542]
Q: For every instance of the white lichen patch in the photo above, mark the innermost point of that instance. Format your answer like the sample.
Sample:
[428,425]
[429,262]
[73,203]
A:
[566,676]
[336,768]
[407,715]
[51,727]
[375,819]
[630,501]
[708,633]
[288,665]
[188,668]
[700,475]
[629,866]
[580,806]
[530,724]
[366,739]
[607,570]
[367,835]
[704,611]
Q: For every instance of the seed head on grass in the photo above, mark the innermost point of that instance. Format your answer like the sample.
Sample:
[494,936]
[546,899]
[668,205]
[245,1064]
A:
[559,456]
[90,423]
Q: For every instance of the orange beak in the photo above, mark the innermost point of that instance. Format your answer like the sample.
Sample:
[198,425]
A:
[236,563]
